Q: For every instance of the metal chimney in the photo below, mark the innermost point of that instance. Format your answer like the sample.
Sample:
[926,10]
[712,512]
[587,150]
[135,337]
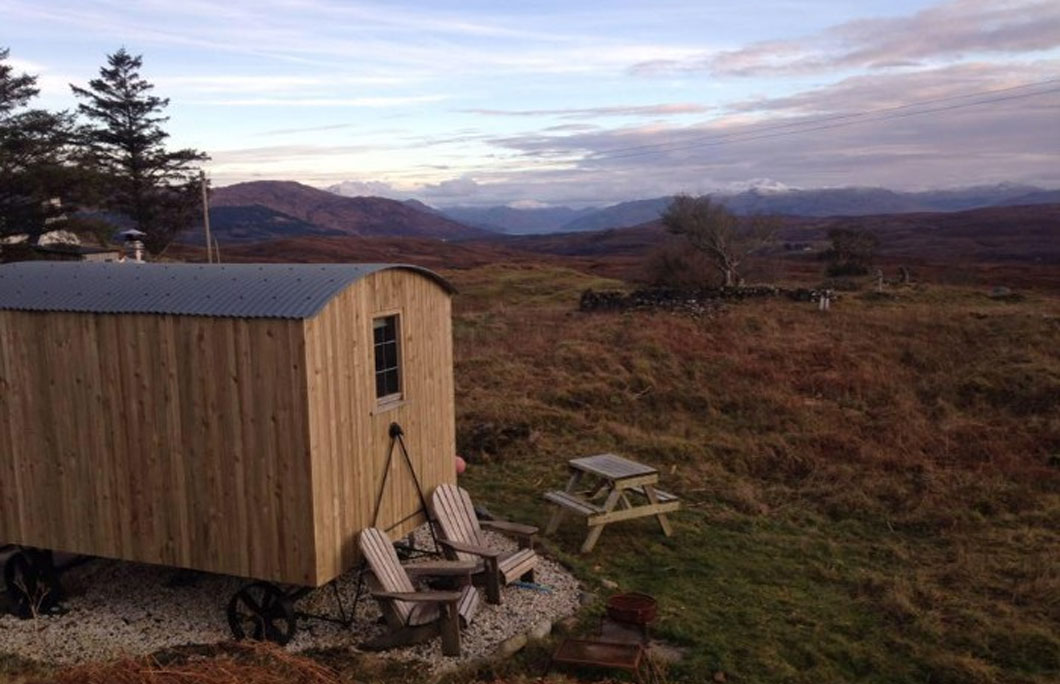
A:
[132,241]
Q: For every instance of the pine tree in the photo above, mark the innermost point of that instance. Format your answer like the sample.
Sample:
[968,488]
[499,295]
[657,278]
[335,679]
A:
[15,91]
[36,152]
[151,185]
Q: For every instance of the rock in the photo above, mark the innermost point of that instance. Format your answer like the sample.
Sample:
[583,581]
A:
[719,676]
[609,584]
[1005,294]
[540,630]
[586,597]
[620,632]
[566,625]
[667,653]
[484,442]
[511,646]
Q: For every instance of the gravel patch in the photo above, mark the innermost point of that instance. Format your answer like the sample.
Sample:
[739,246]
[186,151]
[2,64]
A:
[127,609]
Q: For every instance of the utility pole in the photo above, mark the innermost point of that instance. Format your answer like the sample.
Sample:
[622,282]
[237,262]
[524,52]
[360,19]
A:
[206,217]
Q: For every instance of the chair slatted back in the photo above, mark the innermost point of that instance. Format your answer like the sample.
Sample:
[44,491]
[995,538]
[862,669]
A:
[456,518]
[389,575]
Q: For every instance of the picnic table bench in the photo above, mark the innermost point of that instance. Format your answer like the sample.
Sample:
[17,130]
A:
[613,479]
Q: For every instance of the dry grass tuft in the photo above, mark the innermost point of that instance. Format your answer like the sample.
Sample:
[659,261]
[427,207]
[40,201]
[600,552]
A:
[242,663]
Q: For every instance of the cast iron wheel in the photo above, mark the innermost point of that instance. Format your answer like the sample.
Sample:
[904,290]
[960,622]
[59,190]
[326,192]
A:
[31,583]
[262,612]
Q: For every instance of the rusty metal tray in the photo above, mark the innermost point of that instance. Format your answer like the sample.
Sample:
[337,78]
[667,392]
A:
[592,653]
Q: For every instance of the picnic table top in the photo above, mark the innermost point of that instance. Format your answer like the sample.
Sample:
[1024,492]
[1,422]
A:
[611,466]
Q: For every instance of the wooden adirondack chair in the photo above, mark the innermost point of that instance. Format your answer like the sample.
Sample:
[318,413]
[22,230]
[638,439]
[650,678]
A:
[460,534]
[416,616]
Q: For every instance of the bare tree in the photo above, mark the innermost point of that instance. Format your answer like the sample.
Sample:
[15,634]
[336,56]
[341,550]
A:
[725,239]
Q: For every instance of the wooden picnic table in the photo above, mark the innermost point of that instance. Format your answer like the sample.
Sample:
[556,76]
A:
[612,480]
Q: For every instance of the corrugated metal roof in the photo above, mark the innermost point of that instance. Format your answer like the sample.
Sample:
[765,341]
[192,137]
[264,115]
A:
[228,290]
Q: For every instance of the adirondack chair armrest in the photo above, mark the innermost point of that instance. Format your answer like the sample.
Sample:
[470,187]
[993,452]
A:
[471,548]
[517,529]
[419,596]
[440,569]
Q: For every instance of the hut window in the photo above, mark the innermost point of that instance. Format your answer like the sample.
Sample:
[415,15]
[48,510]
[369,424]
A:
[387,359]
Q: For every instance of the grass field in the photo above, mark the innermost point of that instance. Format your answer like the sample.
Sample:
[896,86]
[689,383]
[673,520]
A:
[871,494]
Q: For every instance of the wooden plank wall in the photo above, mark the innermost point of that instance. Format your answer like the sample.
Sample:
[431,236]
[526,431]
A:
[348,432]
[181,441]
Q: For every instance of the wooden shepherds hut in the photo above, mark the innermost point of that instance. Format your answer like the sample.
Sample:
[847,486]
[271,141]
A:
[229,418]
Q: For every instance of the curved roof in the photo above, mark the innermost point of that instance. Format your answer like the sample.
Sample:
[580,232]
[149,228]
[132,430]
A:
[227,290]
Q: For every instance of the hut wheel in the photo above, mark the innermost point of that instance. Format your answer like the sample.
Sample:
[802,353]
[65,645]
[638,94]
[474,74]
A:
[261,611]
[31,583]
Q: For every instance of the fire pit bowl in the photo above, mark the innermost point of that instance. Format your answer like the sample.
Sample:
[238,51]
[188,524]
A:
[633,608]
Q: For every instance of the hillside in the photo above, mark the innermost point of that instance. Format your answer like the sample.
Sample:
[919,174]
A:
[860,503]
[1039,197]
[1028,234]
[254,223]
[620,215]
[359,216]
[426,252]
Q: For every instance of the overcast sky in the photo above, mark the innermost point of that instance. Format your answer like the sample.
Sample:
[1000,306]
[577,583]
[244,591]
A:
[579,102]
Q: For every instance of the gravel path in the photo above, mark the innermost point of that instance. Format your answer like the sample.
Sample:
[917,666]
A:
[118,608]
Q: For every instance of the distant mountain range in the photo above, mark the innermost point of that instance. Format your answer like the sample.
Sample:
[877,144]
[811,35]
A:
[818,203]
[1019,233]
[269,210]
[518,221]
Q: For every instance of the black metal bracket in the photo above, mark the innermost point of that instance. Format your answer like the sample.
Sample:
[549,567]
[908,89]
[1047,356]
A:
[343,620]
[397,438]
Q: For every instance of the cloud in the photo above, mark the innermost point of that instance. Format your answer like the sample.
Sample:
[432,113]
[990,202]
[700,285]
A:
[272,84]
[447,190]
[595,112]
[818,137]
[868,92]
[947,31]
[351,188]
[528,204]
[320,101]
[308,129]
[280,153]
[48,82]
[995,141]
[20,66]
[460,138]
[378,41]
[570,128]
